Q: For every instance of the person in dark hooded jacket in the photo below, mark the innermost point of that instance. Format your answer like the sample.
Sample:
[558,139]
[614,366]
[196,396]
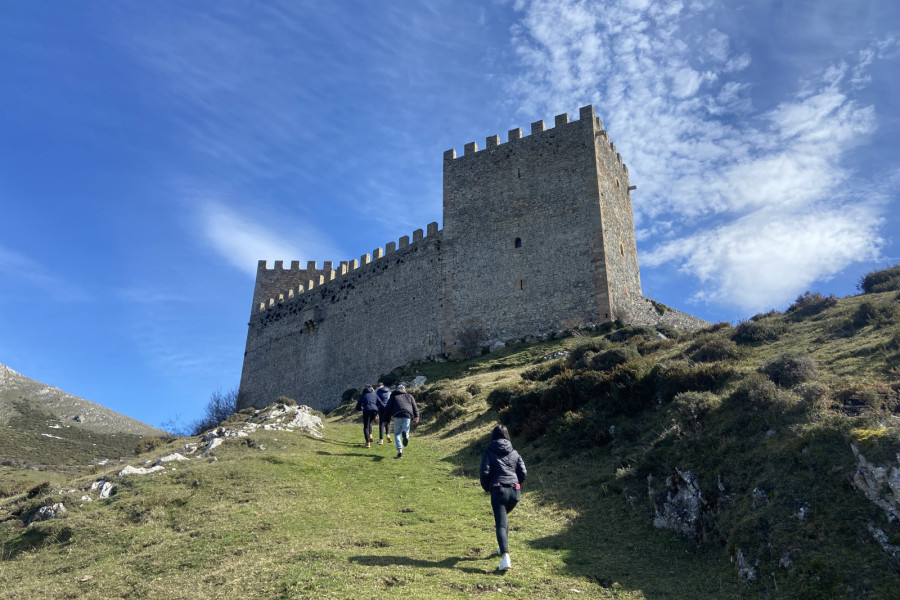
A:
[502,474]
[368,404]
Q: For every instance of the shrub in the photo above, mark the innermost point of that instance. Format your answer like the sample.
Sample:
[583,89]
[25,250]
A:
[868,313]
[150,443]
[474,388]
[885,280]
[220,407]
[632,331]
[675,377]
[713,350]
[755,331]
[855,400]
[692,406]
[440,398]
[545,371]
[350,395]
[809,304]
[608,359]
[894,342]
[812,392]
[501,396]
[576,358]
[790,369]
[470,339]
[756,392]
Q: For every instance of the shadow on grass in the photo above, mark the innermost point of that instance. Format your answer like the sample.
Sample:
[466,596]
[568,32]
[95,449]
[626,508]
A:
[448,563]
[375,457]
[603,539]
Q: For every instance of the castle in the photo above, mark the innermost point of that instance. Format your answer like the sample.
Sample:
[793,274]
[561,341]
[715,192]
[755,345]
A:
[538,234]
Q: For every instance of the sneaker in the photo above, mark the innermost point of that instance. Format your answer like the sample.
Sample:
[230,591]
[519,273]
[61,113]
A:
[371,439]
[380,442]
[505,563]
[405,439]
[389,440]
[399,455]
[368,445]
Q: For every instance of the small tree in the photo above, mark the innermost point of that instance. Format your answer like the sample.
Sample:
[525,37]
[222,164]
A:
[220,407]
[471,338]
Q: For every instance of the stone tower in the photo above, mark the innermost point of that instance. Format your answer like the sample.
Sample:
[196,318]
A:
[537,231]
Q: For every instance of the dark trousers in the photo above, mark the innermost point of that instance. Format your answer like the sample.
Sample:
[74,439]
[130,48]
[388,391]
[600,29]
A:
[368,417]
[503,500]
[384,425]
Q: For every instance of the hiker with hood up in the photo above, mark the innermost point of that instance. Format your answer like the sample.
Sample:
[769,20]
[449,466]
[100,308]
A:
[368,404]
[502,474]
[384,423]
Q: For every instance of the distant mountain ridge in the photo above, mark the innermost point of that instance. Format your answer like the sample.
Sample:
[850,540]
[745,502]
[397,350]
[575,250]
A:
[68,409]
[44,429]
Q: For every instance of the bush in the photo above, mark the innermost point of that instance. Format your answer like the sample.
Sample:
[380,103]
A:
[576,358]
[220,407]
[349,396]
[474,388]
[790,369]
[713,350]
[632,331]
[613,357]
[150,443]
[868,313]
[692,406]
[439,398]
[675,377]
[756,331]
[812,392]
[756,392]
[855,400]
[809,304]
[500,397]
[547,370]
[470,339]
[885,280]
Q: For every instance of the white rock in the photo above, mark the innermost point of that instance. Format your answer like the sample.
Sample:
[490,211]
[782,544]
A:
[170,458]
[129,470]
[56,511]
[86,498]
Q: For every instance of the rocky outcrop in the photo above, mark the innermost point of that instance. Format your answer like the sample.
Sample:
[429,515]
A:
[881,485]
[678,505]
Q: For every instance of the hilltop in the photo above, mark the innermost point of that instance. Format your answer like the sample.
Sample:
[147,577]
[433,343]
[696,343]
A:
[749,461]
[48,433]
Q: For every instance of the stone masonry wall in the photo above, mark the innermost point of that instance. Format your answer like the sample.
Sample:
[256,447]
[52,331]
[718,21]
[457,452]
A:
[343,333]
[524,232]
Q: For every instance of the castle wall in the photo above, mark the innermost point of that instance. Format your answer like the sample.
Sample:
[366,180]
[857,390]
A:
[544,191]
[619,243]
[313,344]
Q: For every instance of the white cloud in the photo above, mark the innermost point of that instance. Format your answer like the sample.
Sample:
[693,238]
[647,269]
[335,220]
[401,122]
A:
[756,205]
[243,242]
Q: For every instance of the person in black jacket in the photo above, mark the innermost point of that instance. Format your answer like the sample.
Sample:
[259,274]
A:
[402,409]
[502,474]
[368,404]
[384,419]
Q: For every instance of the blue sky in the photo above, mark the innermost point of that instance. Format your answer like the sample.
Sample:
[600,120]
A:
[151,153]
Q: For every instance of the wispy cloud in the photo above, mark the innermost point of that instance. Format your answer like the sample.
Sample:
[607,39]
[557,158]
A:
[755,204]
[18,266]
[243,242]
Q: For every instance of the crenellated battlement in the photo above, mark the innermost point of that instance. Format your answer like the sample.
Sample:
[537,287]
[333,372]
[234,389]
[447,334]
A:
[312,277]
[587,118]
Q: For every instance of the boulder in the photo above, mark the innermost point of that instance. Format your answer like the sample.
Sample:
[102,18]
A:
[678,506]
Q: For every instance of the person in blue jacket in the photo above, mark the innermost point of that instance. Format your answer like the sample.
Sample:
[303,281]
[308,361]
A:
[368,404]
[502,474]
[384,419]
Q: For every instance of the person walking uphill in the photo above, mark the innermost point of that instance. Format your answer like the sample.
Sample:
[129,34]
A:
[368,404]
[384,419]
[502,474]
[402,409]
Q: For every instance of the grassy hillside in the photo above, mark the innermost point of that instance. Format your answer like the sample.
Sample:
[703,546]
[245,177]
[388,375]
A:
[760,417]
[49,435]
